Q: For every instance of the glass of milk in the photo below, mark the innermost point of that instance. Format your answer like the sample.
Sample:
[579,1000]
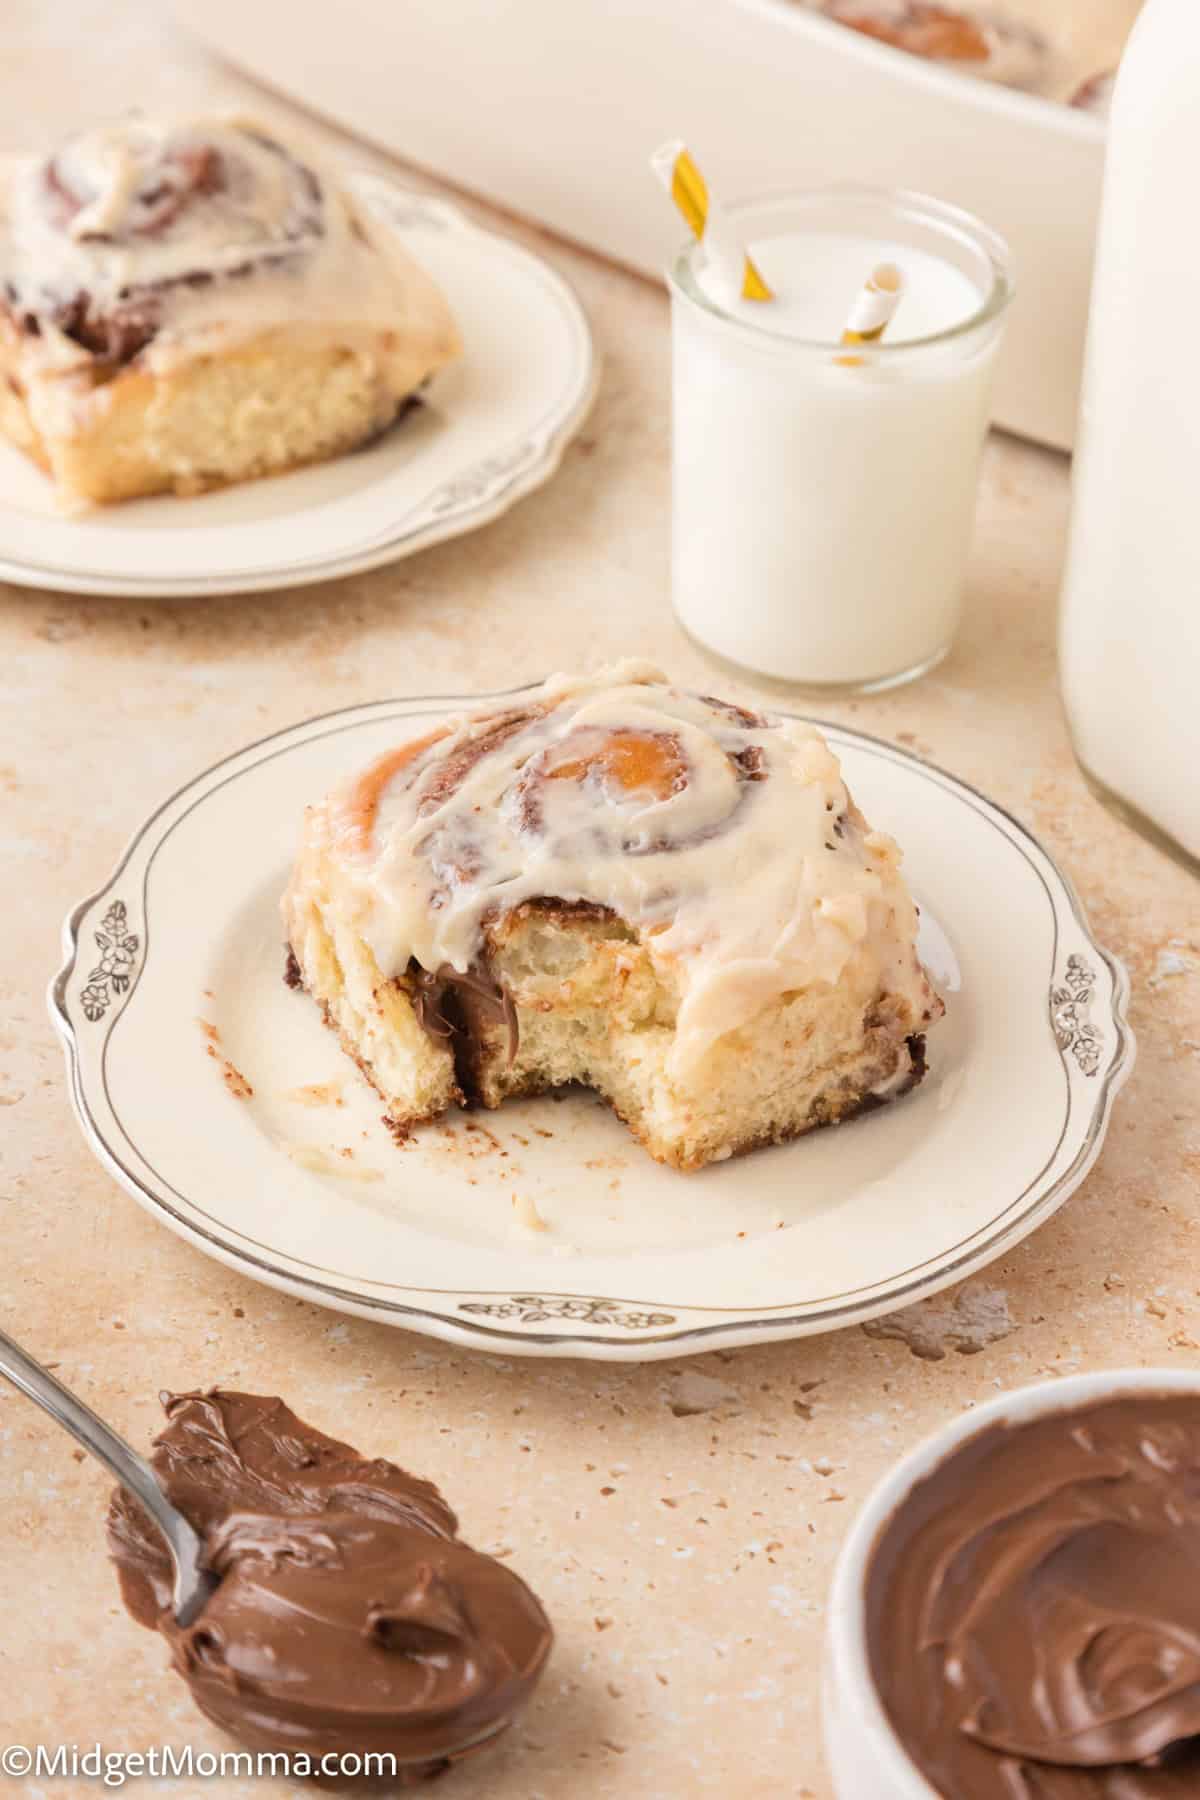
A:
[824,498]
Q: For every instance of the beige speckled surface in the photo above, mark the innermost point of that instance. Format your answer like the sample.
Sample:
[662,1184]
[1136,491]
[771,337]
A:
[679,1520]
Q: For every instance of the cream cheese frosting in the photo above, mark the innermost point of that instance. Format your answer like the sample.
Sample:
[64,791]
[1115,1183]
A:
[1046,47]
[199,233]
[727,840]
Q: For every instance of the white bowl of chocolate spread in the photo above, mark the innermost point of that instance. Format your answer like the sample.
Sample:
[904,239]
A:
[1016,1612]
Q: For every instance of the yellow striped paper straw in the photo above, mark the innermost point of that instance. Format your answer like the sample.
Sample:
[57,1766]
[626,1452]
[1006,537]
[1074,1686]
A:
[875,307]
[675,168]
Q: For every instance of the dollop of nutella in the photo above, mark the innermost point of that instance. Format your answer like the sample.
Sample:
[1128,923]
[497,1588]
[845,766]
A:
[349,1617]
[457,1006]
[1033,1608]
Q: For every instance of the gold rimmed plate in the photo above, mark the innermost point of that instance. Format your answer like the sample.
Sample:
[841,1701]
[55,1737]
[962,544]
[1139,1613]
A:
[216,1097]
[487,431]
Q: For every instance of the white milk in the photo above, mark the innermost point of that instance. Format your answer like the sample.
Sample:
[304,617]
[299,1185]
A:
[823,512]
[1130,637]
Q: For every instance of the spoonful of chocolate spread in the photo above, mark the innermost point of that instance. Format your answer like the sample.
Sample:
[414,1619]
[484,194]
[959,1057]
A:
[348,1618]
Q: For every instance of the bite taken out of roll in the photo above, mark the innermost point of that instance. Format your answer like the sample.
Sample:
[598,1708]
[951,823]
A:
[185,304]
[611,881]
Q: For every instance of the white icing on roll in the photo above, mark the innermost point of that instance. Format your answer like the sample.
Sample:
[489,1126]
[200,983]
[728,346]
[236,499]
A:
[206,232]
[752,874]
[1017,55]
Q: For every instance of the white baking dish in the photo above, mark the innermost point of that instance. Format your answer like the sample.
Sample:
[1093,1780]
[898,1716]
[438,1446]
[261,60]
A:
[550,107]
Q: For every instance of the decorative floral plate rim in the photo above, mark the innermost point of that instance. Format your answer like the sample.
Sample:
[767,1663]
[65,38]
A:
[467,498]
[1086,1004]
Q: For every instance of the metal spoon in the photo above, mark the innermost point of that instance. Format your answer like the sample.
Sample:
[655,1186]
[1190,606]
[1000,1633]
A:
[193,1584]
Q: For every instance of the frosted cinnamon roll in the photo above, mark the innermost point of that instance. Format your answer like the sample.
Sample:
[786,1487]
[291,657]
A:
[185,304]
[977,41]
[614,882]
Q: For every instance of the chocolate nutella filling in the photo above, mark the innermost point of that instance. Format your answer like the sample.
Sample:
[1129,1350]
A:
[456,1007]
[1033,1609]
[349,1618]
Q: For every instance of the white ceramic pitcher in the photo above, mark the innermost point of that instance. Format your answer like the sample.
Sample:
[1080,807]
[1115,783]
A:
[1130,627]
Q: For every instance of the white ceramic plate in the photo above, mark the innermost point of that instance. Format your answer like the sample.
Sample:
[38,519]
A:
[493,427]
[171,1002]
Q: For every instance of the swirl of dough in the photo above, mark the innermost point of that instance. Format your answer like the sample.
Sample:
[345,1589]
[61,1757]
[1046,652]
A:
[566,787]
[220,189]
[120,227]
[162,241]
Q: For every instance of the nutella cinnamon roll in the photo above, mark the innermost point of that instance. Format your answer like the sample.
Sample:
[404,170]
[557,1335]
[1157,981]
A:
[978,41]
[191,303]
[1095,95]
[670,899]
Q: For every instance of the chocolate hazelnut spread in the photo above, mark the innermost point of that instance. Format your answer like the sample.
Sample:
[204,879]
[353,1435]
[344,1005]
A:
[1033,1608]
[349,1617]
[458,1005]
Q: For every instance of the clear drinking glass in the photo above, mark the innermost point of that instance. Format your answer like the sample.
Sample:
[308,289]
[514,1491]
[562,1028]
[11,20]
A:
[823,502]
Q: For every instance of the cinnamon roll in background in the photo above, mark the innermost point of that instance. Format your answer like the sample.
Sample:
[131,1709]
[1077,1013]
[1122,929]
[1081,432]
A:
[935,32]
[610,881]
[1046,47]
[978,41]
[1095,95]
[193,303]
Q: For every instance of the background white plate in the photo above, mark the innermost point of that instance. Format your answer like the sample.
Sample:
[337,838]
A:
[640,1260]
[491,428]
